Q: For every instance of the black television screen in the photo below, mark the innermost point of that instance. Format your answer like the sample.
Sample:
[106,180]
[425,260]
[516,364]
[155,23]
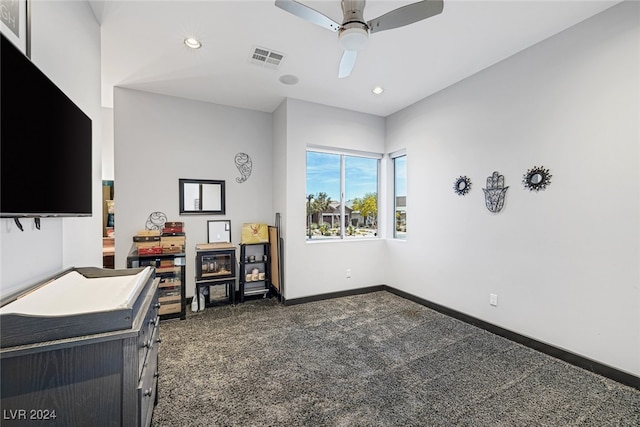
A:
[45,144]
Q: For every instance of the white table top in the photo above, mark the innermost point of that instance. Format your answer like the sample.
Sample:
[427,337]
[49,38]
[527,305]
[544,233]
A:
[75,294]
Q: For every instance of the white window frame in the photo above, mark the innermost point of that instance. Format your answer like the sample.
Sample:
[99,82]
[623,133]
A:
[343,153]
[393,156]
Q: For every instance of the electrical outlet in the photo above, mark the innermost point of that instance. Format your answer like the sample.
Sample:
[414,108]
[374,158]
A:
[493,300]
[348,273]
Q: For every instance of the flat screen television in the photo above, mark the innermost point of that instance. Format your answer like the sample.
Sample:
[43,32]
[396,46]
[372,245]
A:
[45,144]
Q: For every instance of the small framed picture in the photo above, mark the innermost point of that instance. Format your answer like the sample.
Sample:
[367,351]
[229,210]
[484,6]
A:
[14,22]
[219,231]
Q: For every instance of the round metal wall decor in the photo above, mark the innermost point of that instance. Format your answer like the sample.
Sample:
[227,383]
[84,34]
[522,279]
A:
[462,185]
[536,178]
[156,221]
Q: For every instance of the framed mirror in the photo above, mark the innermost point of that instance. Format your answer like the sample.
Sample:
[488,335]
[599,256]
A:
[462,185]
[536,179]
[219,231]
[202,197]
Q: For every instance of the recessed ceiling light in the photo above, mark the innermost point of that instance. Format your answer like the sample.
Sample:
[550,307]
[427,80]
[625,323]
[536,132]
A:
[377,90]
[192,43]
[288,79]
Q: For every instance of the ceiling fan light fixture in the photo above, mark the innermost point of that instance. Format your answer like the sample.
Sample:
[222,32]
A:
[192,43]
[354,38]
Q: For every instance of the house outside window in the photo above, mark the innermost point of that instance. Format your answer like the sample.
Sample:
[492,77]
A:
[342,194]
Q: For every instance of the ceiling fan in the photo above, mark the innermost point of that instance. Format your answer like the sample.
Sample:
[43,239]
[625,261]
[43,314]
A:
[353,32]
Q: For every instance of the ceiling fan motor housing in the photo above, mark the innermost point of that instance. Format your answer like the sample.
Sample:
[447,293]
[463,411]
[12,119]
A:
[354,36]
[354,32]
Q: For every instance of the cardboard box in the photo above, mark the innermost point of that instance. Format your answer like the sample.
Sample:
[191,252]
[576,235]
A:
[255,233]
[147,244]
[139,239]
[149,233]
[214,246]
[172,249]
[172,240]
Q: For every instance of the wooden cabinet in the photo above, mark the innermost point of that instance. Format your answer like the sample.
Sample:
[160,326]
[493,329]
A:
[255,270]
[75,369]
[170,269]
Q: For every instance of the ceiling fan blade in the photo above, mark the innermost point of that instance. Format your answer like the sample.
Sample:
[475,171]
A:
[308,14]
[406,15]
[347,63]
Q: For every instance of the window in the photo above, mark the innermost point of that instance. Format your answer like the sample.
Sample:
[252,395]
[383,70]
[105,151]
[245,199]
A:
[400,196]
[342,195]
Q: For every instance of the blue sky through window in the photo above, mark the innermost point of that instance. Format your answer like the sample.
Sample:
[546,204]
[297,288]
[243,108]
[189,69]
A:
[400,164]
[323,175]
[361,177]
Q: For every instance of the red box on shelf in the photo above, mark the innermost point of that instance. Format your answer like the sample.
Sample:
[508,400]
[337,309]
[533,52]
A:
[155,250]
[172,227]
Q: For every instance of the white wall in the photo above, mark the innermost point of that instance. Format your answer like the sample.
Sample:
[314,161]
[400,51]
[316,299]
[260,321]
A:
[279,166]
[564,262]
[107,144]
[65,40]
[313,268]
[159,139]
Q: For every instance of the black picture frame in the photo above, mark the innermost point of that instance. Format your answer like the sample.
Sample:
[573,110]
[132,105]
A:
[202,197]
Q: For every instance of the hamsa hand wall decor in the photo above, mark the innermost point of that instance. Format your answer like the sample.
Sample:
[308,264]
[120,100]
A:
[495,192]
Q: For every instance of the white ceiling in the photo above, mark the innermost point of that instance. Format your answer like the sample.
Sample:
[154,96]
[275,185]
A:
[142,48]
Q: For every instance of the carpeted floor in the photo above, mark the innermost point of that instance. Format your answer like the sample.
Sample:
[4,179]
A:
[368,360]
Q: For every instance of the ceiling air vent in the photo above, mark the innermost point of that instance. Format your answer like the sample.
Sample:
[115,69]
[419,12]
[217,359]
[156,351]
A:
[266,57]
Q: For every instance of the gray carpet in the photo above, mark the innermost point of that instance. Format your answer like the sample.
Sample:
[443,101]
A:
[368,360]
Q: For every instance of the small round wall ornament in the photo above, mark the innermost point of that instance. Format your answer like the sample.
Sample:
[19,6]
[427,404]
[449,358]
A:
[462,185]
[156,221]
[536,178]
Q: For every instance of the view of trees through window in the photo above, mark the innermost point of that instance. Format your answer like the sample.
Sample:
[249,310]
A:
[400,190]
[342,196]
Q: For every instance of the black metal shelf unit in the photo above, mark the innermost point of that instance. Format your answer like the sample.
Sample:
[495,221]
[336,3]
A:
[170,268]
[255,270]
[216,267]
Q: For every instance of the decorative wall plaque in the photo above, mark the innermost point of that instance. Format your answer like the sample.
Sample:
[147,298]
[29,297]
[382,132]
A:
[536,178]
[156,221]
[244,165]
[495,192]
[462,185]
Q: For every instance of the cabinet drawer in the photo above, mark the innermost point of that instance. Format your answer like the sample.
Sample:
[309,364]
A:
[148,385]
[170,308]
[146,340]
[147,330]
